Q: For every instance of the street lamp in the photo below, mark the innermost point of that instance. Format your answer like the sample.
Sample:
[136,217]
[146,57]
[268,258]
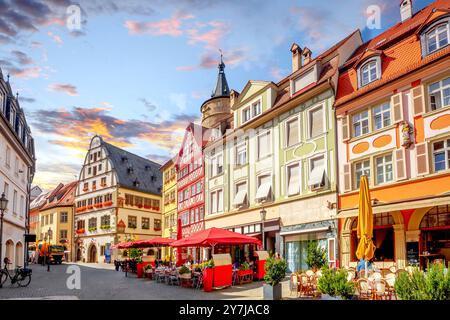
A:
[263,217]
[50,235]
[3,206]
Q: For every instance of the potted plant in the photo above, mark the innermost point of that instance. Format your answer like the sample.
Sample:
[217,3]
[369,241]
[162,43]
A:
[208,275]
[275,272]
[333,284]
[148,270]
[316,256]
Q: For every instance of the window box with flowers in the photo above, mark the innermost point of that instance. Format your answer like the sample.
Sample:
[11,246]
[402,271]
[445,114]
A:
[92,229]
[139,206]
[89,207]
[99,205]
[107,203]
[80,231]
[147,206]
[105,227]
[81,209]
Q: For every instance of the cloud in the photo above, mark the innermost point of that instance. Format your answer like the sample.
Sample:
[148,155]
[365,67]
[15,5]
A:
[210,38]
[26,99]
[150,106]
[22,57]
[55,37]
[210,60]
[25,73]
[159,158]
[278,73]
[170,26]
[65,88]
[74,128]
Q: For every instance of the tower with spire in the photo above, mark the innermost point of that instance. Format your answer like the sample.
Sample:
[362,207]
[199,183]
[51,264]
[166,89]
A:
[216,110]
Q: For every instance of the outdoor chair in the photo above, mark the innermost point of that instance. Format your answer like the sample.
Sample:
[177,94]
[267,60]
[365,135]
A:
[305,285]
[382,291]
[174,278]
[363,289]
[350,276]
[198,281]
[390,280]
[293,284]
[393,269]
[399,272]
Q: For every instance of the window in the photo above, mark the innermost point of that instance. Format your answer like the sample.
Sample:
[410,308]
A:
[15,202]
[216,201]
[145,223]
[51,218]
[293,179]
[94,185]
[186,194]
[441,155]
[89,170]
[94,169]
[157,226]
[63,234]
[63,218]
[8,157]
[317,172]
[246,114]
[103,182]
[92,223]
[240,198]
[382,116]
[362,168]
[80,224]
[192,216]
[105,221]
[241,154]
[184,217]
[264,190]
[384,169]
[100,167]
[216,164]
[22,203]
[436,217]
[256,108]
[199,187]
[439,93]
[292,132]
[316,124]
[360,123]
[85,186]
[132,222]
[264,145]
[437,38]
[369,72]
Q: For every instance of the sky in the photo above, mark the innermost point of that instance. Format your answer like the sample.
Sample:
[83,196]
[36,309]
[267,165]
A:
[136,72]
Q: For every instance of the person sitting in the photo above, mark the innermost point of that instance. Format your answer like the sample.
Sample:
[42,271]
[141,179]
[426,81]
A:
[362,265]
[236,265]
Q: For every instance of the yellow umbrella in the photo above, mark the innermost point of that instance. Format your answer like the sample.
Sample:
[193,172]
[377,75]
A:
[366,248]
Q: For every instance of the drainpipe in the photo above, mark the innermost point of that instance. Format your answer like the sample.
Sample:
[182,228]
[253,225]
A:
[27,215]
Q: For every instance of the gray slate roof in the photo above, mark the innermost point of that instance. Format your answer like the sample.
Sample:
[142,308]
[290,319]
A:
[131,168]
[222,89]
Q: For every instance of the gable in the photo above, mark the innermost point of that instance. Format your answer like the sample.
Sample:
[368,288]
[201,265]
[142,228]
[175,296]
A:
[251,88]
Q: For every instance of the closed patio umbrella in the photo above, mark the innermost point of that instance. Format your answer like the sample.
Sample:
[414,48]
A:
[366,248]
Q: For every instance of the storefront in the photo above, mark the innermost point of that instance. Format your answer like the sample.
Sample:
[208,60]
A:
[296,238]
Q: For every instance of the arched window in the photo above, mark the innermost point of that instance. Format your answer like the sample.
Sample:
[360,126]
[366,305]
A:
[383,237]
[437,37]
[437,217]
[369,71]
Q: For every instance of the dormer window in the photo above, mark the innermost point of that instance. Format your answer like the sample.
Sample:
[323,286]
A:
[369,71]
[251,111]
[437,37]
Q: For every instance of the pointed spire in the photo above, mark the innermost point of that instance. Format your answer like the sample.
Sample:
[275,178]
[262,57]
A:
[222,88]
[8,77]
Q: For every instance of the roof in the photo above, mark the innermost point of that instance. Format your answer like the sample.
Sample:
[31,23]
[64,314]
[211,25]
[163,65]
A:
[144,175]
[62,195]
[400,52]
[39,201]
[222,89]
[201,139]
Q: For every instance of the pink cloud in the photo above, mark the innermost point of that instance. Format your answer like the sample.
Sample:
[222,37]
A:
[65,88]
[170,27]
[211,38]
[55,37]
[26,73]
[210,60]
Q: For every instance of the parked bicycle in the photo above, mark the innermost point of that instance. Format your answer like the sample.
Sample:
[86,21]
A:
[21,276]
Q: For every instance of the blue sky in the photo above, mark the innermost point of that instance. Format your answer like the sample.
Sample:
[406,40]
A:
[138,71]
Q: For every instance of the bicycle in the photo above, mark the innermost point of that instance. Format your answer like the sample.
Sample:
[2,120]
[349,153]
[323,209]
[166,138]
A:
[21,276]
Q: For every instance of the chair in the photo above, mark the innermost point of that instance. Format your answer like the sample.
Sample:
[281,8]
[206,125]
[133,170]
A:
[393,269]
[376,275]
[390,279]
[318,274]
[382,291]
[199,282]
[305,285]
[174,278]
[363,289]
[399,272]
[293,283]
[350,276]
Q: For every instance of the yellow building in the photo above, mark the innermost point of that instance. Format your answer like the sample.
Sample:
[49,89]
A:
[57,215]
[169,214]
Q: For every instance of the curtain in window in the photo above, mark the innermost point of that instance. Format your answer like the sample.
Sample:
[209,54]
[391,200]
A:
[293,179]
[316,122]
[292,132]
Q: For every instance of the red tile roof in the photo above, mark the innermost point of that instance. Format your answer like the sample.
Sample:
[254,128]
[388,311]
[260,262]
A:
[62,195]
[400,53]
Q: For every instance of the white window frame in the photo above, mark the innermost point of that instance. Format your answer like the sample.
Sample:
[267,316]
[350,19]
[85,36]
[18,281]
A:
[360,121]
[295,118]
[377,61]
[436,37]
[244,182]
[445,150]
[382,114]
[384,164]
[258,177]
[259,104]
[214,164]
[244,120]
[218,208]
[355,180]
[288,166]
[309,120]
[238,149]
[439,90]
[251,108]
[325,161]
[265,132]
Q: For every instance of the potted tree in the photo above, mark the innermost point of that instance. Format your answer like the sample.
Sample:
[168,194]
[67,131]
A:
[316,256]
[275,272]
[333,285]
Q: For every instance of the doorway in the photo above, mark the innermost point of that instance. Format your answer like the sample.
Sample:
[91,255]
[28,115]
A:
[92,254]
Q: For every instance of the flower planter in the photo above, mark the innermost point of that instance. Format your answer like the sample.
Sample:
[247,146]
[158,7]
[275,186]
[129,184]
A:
[80,231]
[90,207]
[272,292]
[208,277]
[107,203]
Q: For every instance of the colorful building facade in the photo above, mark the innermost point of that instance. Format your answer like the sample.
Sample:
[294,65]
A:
[393,118]
[169,209]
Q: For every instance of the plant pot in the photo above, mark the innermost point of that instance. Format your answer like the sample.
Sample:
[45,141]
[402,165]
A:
[328,297]
[272,292]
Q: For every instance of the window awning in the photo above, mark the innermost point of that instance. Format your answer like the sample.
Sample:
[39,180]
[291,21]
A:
[263,191]
[316,176]
[239,199]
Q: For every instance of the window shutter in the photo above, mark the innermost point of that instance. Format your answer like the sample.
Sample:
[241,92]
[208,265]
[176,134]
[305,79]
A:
[400,164]
[422,158]
[418,99]
[347,178]
[397,107]
[345,128]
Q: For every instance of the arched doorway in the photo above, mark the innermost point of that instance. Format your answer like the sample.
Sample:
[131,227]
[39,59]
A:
[92,254]
[19,254]
[79,257]
[9,252]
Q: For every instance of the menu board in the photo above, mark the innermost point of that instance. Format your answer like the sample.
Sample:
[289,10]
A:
[412,253]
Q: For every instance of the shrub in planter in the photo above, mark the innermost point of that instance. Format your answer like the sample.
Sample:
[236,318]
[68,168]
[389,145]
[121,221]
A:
[316,256]
[334,283]
[244,266]
[184,270]
[433,285]
[275,272]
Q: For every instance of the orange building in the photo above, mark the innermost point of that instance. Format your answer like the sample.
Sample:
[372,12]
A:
[393,114]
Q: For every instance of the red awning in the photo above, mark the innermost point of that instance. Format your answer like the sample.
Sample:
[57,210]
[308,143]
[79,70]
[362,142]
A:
[215,236]
[145,243]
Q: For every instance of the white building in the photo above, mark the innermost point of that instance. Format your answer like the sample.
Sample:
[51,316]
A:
[17,165]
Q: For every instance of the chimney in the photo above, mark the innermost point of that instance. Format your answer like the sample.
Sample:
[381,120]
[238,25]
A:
[406,11]
[233,98]
[296,57]
[307,55]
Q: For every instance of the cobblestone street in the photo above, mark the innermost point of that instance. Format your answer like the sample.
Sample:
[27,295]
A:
[100,282]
